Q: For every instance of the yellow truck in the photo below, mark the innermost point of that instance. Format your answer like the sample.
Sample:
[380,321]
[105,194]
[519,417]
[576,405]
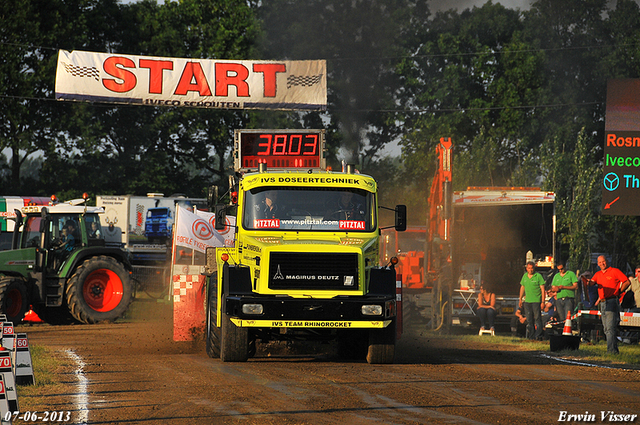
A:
[304,265]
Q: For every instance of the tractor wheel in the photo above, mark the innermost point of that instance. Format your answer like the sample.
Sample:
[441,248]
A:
[235,341]
[212,329]
[382,344]
[14,301]
[100,290]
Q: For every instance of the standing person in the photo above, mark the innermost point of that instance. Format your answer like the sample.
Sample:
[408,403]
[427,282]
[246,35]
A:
[635,289]
[531,296]
[564,284]
[486,308]
[611,283]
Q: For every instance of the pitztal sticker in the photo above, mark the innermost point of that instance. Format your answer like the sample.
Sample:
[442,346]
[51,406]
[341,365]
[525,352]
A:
[272,223]
[351,225]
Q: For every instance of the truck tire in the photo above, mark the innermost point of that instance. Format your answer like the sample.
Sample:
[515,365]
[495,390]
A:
[100,290]
[14,301]
[382,344]
[212,337]
[235,341]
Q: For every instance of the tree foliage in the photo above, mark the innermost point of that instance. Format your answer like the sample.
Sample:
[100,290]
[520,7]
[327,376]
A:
[521,93]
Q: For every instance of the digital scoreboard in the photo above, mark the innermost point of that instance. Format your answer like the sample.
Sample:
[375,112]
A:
[621,165]
[283,149]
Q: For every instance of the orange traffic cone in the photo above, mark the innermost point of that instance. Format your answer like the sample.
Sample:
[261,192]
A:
[567,325]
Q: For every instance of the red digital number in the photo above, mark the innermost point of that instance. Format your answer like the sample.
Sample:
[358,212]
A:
[264,145]
[280,144]
[313,144]
[297,139]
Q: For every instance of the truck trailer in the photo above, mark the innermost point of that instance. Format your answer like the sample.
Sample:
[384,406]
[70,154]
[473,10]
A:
[308,268]
[482,235]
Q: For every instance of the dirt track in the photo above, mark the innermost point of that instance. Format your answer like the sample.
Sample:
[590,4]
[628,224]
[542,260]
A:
[133,373]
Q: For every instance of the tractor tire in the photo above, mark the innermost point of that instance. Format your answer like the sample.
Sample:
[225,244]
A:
[14,300]
[212,337]
[382,344]
[100,290]
[235,341]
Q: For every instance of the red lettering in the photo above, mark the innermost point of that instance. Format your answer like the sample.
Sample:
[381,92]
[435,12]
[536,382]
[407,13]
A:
[269,71]
[128,78]
[224,80]
[155,73]
[193,71]
[266,224]
[611,138]
[349,224]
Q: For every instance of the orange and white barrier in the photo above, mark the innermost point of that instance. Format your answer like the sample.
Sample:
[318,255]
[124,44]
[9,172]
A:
[188,306]
[567,325]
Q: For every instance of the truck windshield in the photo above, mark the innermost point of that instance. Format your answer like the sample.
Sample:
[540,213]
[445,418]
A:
[292,208]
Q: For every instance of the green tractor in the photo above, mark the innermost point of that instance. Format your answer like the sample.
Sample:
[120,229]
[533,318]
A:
[60,266]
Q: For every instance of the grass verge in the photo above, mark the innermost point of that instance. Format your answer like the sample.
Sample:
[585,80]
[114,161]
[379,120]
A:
[588,352]
[49,367]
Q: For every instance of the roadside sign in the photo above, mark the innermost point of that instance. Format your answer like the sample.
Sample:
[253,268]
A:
[621,177]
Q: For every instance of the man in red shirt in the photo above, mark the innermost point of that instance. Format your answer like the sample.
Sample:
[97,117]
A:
[611,283]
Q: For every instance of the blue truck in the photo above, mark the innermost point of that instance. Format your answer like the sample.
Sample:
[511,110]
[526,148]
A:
[157,227]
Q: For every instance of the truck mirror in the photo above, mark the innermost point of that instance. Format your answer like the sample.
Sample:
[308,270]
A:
[401,218]
[221,217]
[18,219]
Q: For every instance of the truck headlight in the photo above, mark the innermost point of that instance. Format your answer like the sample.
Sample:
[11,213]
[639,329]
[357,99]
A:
[252,309]
[371,310]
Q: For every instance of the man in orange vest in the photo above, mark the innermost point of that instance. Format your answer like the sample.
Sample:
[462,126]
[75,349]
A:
[611,283]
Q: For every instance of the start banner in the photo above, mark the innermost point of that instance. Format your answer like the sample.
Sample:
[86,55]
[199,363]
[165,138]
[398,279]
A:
[192,83]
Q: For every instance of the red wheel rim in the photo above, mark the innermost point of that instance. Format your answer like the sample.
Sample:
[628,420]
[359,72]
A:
[103,290]
[14,303]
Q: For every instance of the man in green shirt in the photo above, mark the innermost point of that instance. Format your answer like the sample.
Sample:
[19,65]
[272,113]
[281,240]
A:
[564,284]
[532,297]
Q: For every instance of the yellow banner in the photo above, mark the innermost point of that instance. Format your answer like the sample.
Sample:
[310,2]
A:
[328,324]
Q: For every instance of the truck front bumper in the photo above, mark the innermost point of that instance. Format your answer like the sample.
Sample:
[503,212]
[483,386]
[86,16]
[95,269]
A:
[336,313]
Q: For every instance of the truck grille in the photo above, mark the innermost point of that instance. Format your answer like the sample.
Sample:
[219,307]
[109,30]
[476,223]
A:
[309,270]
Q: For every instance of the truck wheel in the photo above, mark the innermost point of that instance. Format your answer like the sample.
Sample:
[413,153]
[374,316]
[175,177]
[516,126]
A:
[212,329]
[99,290]
[14,300]
[382,344]
[235,341]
